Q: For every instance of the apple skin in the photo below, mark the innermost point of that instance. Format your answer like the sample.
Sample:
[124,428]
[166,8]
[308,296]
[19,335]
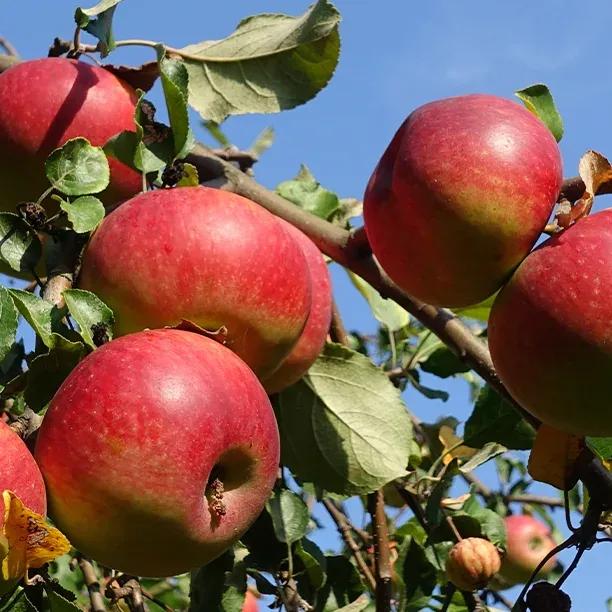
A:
[44,103]
[313,337]
[19,473]
[471,563]
[528,542]
[250,603]
[549,329]
[129,443]
[460,196]
[207,256]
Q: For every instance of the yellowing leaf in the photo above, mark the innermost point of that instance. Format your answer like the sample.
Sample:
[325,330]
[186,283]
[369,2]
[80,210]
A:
[553,457]
[452,446]
[32,542]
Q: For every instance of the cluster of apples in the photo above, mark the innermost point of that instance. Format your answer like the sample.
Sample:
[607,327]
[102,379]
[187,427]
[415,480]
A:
[161,447]
[452,211]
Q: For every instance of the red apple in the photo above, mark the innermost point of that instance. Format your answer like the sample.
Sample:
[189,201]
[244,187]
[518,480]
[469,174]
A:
[460,196]
[19,473]
[528,542]
[44,103]
[159,450]
[549,329]
[471,563]
[312,340]
[207,256]
[250,603]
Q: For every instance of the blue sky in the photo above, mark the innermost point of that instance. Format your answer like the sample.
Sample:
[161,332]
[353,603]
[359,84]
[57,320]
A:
[396,55]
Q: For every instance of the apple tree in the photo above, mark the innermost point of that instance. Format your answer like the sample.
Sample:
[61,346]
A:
[193,404]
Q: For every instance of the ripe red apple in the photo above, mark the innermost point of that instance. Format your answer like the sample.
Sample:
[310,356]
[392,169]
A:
[460,196]
[44,103]
[159,450]
[250,603]
[471,563]
[528,542]
[312,340]
[19,473]
[549,329]
[207,256]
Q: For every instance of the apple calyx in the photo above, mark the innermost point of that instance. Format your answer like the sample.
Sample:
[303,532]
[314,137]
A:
[34,214]
[214,495]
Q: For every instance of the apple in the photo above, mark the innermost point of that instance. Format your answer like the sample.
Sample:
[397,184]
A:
[44,103]
[528,542]
[312,339]
[460,196]
[159,450]
[250,603]
[471,563]
[206,256]
[19,473]
[549,329]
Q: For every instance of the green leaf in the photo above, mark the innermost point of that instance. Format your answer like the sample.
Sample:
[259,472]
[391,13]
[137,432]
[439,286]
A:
[175,79]
[444,363]
[20,247]
[489,451]
[84,213]
[271,62]
[20,603]
[387,312]
[8,323]
[495,420]
[102,26]
[78,168]
[219,586]
[44,317]
[89,311]
[214,129]
[344,427]
[289,516]
[57,603]
[602,447]
[190,176]
[538,99]
[314,562]
[83,16]
[417,574]
[305,191]
[343,582]
[262,142]
[47,372]
[478,312]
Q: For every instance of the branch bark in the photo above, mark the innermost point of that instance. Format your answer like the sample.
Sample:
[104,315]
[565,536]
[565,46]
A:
[93,585]
[382,554]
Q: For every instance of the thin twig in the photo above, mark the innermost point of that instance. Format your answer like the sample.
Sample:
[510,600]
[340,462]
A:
[345,532]
[382,553]
[8,47]
[93,585]
[337,330]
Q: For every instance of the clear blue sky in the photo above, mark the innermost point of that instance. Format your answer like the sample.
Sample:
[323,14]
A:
[396,55]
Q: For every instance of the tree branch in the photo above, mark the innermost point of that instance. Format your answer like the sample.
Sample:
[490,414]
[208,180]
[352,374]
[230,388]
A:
[382,555]
[93,585]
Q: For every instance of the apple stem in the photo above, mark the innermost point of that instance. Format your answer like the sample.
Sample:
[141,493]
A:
[454,529]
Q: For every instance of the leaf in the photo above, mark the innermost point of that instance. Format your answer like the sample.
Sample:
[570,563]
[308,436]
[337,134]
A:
[602,447]
[313,561]
[262,142]
[495,420]
[20,603]
[344,427]
[32,540]
[102,26]
[84,213]
[8,323]
[20,247]
[385,311]
[58,603]
[538,99]
[343,581]
[486,453]
[139,77]
[214,129]
[89,311]
[78,168]
[361,603]
[190,176]
[417,574]
[306,192]
[43,316]
[478,312]
[553,457]
[289,516]
[175,79]
[444,363]
[272,62]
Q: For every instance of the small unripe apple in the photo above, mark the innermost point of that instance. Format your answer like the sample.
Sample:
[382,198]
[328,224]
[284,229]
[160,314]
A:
[471,563]
[206,256]
[528,541]
[159,450]
[460,196]
[312,339]
[44,103]
[19,473]
[549,329]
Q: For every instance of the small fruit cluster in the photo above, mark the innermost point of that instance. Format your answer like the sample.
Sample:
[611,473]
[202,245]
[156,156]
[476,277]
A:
[453,209]
[161,447]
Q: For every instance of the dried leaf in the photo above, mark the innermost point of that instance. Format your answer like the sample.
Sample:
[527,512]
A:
[142,77]
[32,541]
[553,457]
[449,441]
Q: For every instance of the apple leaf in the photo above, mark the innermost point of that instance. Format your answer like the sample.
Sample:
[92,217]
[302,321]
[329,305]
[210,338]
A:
[20,247]
[538,99]
[289,516]
[78,168]
[20,603]
[344,427]
[102,26]
[495,420]
[343,585]
[263,141]
[417,574]
[190,176]
[478,312]
[444,363]
[602,447]
[58,603]
[8,323]
[270,63]
[313,560]
[91,314]
[84,213]
[44,317]
[175,79]
[306,192]
[489,451]
[360,604]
